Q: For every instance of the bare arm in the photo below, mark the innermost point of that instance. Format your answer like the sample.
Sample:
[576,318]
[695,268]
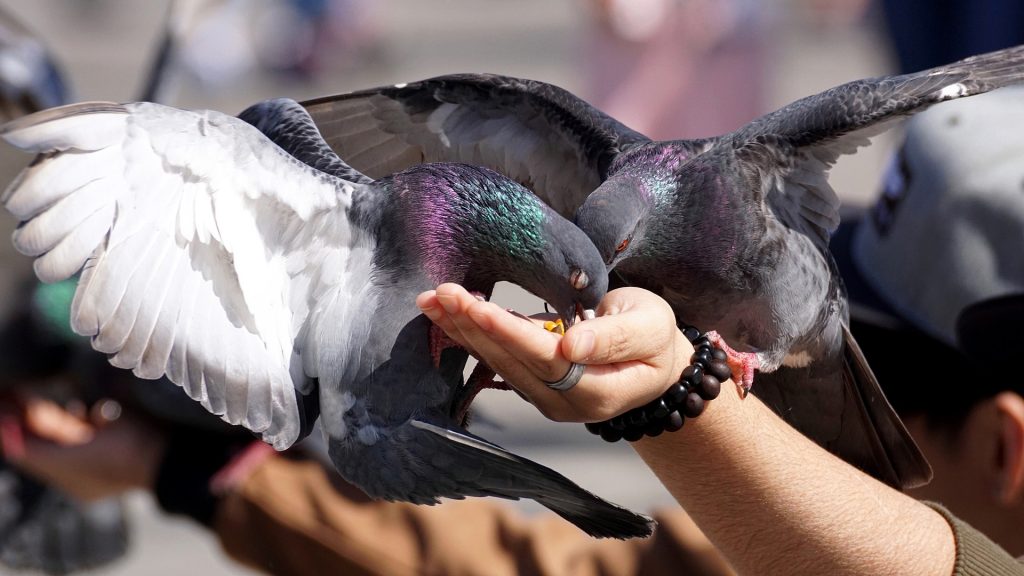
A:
[771,500]
[776,503]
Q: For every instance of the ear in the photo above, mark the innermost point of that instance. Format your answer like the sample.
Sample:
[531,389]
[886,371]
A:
[1010,467]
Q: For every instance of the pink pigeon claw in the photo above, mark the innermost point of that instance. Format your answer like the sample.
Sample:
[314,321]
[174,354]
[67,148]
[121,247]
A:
[742,364]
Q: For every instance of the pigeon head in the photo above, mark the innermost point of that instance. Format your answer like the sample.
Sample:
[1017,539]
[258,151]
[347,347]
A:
[475,227]
[573,277]
[614,217]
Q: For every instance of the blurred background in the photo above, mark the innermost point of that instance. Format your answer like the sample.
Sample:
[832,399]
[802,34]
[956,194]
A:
[669,68]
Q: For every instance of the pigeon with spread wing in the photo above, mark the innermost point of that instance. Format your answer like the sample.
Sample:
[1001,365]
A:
[733,231]
[276,285]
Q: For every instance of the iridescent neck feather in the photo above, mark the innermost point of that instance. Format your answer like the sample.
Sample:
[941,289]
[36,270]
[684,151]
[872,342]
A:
[470,222]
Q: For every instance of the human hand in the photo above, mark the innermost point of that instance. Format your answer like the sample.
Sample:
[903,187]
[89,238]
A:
[88,455]
[632,350]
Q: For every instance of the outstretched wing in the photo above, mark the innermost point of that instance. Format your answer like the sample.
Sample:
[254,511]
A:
[538,134]
[286,123]
[799,143]
[203,246]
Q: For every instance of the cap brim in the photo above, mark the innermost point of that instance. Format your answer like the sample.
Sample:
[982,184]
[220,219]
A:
[989,331]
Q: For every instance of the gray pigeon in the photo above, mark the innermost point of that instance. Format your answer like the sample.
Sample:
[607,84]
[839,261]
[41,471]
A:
[732,231]
[277,285]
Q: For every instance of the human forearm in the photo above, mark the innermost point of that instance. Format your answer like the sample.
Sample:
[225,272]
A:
[773,501]
[776,503]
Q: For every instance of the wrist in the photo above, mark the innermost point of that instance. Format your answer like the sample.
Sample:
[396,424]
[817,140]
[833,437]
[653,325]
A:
[685,396]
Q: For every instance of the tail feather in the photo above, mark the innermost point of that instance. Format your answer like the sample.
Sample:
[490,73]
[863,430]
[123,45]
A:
[510,476]
[840,405]
[893,449]
[424,461]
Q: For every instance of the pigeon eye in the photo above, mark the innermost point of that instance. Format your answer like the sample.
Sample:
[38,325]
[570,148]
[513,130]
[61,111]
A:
[622,246]
[579,279]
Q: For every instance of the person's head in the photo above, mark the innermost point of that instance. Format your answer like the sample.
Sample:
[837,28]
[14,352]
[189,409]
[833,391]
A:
[935,273]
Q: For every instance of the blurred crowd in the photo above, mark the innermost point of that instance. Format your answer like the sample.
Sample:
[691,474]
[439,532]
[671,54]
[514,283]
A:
[667,68]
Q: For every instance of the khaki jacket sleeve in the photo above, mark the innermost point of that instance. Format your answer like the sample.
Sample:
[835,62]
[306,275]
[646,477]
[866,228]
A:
[976,555]
[293,517]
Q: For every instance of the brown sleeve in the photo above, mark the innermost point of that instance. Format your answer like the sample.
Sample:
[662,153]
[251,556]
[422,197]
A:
[976,555]
[294,517]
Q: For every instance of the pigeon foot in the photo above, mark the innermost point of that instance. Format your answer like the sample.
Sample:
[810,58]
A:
[482,378]
[742,364]
[439,342]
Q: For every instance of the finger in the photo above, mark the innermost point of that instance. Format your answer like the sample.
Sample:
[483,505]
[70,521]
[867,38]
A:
[607,390]
[522,338]
[432,309]
[477,321]
[456,302]
[517,348]
[604,390]
[635,330]
[49,421]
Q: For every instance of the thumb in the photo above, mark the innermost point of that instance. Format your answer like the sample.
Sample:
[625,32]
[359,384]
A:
[641,330]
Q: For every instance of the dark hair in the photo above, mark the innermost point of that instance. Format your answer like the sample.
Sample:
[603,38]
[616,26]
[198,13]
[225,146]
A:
[924,376]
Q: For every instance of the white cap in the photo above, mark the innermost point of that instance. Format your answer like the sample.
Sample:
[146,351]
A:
[948,230]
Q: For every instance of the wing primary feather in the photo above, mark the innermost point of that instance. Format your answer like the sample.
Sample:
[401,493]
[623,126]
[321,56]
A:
[137,314]
[121,300]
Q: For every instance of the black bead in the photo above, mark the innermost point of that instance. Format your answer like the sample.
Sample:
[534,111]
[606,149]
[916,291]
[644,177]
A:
[633,434]
[719,355]
[636,418]
[674,396]
[594,427]
[674,423]
[709,387]
[658,409]
[694,405]
[609,434]
[702,342]
[692,375]
[691,333]
[618,423]
[655,428]
[720,370]
[702,357]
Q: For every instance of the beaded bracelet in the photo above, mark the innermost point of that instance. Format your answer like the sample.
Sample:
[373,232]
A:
[699,383]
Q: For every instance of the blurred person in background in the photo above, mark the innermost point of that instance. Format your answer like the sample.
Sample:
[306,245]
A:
[936,283]
[928,33]
[676,68]
[690,68]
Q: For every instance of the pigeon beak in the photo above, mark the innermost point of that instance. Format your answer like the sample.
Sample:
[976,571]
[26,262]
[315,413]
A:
[577,311]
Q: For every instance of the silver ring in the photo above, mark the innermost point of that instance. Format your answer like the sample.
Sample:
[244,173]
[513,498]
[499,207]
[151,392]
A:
[571,378]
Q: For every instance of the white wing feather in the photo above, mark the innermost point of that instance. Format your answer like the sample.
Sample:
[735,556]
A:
[201,242]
